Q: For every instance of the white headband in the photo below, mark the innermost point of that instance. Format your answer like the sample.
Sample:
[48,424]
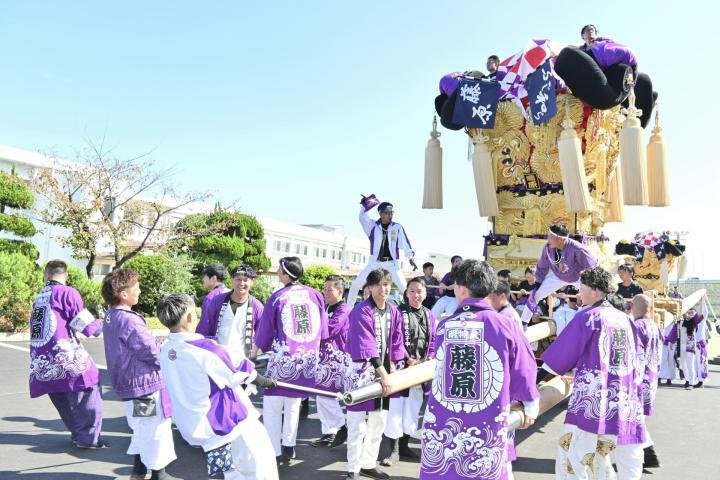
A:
[550,232]
[282,264]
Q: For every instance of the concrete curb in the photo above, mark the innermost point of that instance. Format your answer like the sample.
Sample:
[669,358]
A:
[25,336]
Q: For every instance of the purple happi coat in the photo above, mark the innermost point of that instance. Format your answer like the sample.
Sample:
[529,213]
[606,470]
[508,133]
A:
[574,258]
[132,355]
[364,343]
[291,328]
[483,362]
[648,349]
[607,53]
[218,308]
[335,362]
[219,290]
[58,361]
[600,344]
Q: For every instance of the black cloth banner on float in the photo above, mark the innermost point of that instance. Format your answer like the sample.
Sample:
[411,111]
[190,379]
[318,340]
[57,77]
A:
[476,103]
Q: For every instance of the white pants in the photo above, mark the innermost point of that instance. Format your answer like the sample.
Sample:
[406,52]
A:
[280,417]
[331,414]
[403,414]
[152,437]
[587,457]
[668,369]
[252,453]
[688,365]
[550,284]
[629,460]
[393,267]
[445,306]
[365,431]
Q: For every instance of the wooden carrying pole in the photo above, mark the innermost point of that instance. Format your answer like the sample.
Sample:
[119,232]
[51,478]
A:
[425,371]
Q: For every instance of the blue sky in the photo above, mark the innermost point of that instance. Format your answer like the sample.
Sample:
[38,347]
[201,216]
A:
[293,109]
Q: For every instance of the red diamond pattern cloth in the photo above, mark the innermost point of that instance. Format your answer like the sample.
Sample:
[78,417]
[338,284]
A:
[513,71]
[647,240]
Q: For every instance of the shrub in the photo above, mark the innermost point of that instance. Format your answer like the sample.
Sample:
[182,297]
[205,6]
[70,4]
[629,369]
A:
[20,282]
[89,290]
[161,275]
[261,289]
[315,275]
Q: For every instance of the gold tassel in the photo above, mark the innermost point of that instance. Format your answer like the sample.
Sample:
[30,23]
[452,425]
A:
[433,193]
[634,159]
[682,267]
[572,167]
[484,179]
[658,181]
[614,197]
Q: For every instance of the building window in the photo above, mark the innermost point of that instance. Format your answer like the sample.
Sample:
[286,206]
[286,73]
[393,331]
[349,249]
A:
[282,245]
[301,249]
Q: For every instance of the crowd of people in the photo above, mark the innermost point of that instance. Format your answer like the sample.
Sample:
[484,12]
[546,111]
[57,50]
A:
[470,323]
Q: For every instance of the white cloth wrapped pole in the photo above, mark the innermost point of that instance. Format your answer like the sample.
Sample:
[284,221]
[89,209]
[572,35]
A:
[484,178]
[551,393]
[634,158]
[572,168]
[433,191]
[314,391]
[658,175]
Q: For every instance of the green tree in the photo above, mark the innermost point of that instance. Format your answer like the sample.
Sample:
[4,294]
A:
[315,275]
[161,275]
[15,194]
[227,237]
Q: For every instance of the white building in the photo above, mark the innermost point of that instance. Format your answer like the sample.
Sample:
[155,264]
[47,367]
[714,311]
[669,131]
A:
[313,244]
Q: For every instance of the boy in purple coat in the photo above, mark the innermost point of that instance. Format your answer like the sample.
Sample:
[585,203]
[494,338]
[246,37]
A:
[133,360]
[419,334]
[291,328]
[483,363]
[605,409]
[376,344]
[231,317]
[649,341]
[59,365]
[333,365]
[210,409]
[214,276]
[559,265]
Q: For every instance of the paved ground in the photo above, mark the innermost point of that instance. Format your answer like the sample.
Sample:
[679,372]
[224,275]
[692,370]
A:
[34,445]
